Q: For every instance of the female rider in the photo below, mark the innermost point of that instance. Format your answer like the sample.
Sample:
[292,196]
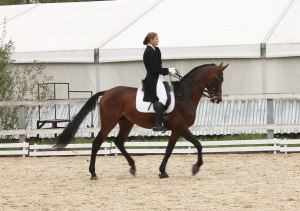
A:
[155,91]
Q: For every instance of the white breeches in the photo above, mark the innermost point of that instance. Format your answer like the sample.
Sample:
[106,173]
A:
[161,91]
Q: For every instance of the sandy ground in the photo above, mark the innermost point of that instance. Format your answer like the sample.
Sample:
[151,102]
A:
[225,182]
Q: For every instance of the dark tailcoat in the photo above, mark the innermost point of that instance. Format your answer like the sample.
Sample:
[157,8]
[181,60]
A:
[153,64]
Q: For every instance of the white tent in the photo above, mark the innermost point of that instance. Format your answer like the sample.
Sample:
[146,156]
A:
[11,12]
[201,29]
[283,51]
[65,35]
[98,45]
[69,32]
[285,40]
[195,32]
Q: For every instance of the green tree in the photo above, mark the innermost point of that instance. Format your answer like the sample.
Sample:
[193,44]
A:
[18,82]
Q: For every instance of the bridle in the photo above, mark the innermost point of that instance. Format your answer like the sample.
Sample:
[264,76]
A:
[215,91]
[211,94]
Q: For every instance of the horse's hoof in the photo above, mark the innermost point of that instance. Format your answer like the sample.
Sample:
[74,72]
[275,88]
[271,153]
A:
[164,175]
[132,171]
[195,169]
[94,178]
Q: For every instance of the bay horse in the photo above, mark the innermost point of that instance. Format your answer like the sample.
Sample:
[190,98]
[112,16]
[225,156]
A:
[117,106]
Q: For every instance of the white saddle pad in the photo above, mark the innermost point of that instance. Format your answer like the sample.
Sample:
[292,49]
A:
[143,106]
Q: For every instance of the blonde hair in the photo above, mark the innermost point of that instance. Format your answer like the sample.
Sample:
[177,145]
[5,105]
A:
[150,35]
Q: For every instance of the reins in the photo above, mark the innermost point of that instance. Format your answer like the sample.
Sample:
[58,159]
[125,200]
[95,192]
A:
[206,92]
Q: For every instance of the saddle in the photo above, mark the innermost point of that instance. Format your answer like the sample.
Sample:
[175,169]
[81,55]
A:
[147,107]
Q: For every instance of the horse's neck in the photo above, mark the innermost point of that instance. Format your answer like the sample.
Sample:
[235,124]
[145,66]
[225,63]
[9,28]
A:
[194,91]
[189,102]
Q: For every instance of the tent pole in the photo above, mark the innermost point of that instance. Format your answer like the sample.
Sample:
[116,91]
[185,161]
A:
[97,64]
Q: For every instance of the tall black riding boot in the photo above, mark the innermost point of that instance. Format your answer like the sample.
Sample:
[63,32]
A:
[159,109]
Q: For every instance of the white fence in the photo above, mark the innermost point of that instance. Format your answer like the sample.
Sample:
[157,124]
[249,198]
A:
[268,145]
[237,114]
[72,149]
[290,146]
[182,147]
[14,149]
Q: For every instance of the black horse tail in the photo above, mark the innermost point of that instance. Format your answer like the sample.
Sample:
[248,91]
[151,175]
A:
[69,132]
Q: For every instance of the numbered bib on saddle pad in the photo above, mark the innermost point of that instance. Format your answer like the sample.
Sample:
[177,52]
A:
[143,106]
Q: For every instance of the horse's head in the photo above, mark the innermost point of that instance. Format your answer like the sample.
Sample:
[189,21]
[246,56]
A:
[214,83]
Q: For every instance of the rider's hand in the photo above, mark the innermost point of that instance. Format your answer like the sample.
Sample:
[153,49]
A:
[173,71]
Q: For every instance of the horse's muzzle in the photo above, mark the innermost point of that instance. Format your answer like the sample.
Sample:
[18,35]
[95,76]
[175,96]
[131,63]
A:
[215,99]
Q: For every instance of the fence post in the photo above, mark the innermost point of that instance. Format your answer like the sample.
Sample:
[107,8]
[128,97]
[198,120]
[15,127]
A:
[285,147]
[270,117]
[275,145]
[22,125]
[35,146]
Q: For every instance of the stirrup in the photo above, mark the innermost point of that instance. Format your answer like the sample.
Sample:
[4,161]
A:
[160,128]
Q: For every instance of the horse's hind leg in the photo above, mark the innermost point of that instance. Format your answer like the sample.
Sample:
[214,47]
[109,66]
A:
[95,148]
[107,126]
[125,128]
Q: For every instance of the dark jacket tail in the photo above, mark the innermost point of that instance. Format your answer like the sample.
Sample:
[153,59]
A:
[69,132]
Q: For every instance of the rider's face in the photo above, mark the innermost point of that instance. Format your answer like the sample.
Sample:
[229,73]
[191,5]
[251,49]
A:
[154,41]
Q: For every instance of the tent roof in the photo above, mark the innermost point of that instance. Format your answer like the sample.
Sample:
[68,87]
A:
[69,32]
[200,28]
[285,41]
[11,12]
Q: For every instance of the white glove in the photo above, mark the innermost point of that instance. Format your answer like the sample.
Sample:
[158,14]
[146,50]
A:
[173,71]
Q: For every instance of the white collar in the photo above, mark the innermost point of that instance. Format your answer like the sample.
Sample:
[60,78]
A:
[151,46]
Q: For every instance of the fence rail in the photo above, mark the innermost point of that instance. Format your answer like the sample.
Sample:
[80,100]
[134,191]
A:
[237,114]
[14,149]
[76,149]
[290,146]
[182,147]
[139,129]
[41,102]
[82,100]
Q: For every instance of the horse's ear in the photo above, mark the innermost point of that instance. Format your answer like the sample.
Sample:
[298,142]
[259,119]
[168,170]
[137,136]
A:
[221,65]
[224,67]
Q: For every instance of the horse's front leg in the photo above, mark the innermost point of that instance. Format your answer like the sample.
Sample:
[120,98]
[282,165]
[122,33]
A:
[191,138]
[172,141]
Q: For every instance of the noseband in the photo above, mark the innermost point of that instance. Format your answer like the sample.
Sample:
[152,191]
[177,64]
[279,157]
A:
[214,92]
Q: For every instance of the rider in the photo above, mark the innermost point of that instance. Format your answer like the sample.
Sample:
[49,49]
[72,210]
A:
[155,91]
